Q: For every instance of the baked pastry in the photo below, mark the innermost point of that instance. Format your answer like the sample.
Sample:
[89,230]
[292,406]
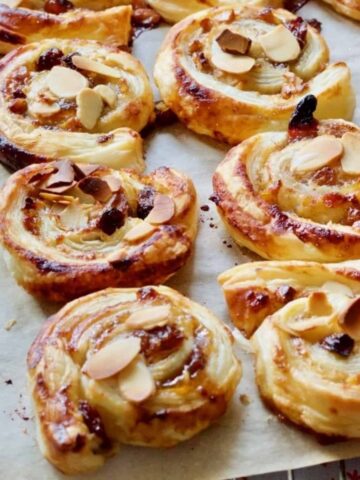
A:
[142,366]
[308,343]
[175,10]
[294,196]
[70,229]
[21,25]
[349,8]
[232,72]
[73,99]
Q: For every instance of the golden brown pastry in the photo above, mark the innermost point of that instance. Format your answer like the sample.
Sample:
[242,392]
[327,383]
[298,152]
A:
[307,346]
[142,366]
[70,229]
[295,195]
[232,72]
[59,19]
[349,8]
[73,99]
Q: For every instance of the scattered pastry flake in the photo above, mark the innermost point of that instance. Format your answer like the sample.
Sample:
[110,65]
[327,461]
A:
[227,62]
[66,82]
[234,43]
[10,324]
[280,45]
[150,317]
[113,358]
[107,94]
[136,383]
[317,153]
[85,63]
[140,231]
[89,107]
[245,399]
[350,162]
[163,211]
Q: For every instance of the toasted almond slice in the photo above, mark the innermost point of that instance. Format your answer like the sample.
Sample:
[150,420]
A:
[113,358]
[85,63]
[107,94]
[65,82]
[280,45]
[136,383]
[233,42]
[60,189]
[89,108]
[142,230]
[52,197]
[113,182]
[350,161]
[231,63]
[41,109]
[163,211]
[96,187]
[150,317]
[349,319]
[83,170]
[317,153]
[74,217]
[336,287]
[65,175]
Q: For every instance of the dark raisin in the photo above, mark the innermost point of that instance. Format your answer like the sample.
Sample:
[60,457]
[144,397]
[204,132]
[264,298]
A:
[294,5]
[111,220]
[145,18]
[302,123]
[67,60]
[18,93]
[315,24]
[339,343]
[49,59]
[145,202]
[286,293]
[214,198]
[57,7]
[298,27]
[18,106]
[146,293]
[94,422]
[205,208]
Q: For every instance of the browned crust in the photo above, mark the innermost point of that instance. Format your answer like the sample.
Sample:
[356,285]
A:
[15,157]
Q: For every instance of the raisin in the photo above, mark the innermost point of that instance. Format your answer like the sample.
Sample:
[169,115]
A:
[57,7]
[111,220]
[67,60]
[298,27]
[49,59]
[294,5]
[18,106]
[145,18]
[339,343]
[302,123]
[94,422]
[315,24]
[145,202]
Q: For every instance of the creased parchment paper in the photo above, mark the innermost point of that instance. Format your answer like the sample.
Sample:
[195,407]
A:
[249,439]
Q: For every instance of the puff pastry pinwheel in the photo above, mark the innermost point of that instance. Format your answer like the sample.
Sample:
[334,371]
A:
[73,99]
[70,229]
[307,339]
[295,195]
[19,26]
[232,72]
[145,367]
[349,8]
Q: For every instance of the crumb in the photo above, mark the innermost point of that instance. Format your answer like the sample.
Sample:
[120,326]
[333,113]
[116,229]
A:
[9,382]
[10,324]
[205,208]
[245,400]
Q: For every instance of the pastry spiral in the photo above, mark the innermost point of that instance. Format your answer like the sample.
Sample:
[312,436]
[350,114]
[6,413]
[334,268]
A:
[19,26]
[294,198]
[142,366]
[349,8]
[73,99]
[231,72]
[70,229]
[307,346]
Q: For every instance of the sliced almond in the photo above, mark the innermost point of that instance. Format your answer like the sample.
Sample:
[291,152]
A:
[107,94]
[336,287]
[350,162]
[83,170]
[60,189]
[41,109]
[231,63]
[89,109]
[317,153]
[280,45]
[163,211]
[65,82]
[349,319]
[232,42]
[318,305]
[96,187]
[85,63]
[52,197]
[136,383]
[113,182]
[113,358]
[142,230]
[74,217]
[65,175]
[150,317]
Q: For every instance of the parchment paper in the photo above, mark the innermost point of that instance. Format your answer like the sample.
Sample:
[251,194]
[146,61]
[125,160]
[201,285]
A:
[249,439]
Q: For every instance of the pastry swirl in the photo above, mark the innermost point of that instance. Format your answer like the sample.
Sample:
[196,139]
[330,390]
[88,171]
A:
[294,198]
[232,72]
[306,344]
[142,366]
[70,229]
[73,99]
[19,26]
[349,8]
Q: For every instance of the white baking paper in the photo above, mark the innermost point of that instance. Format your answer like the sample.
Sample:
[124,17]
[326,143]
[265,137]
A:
[249,439]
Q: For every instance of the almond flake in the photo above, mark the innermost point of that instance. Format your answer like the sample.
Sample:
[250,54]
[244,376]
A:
[83,170]
[113,358]
[140,231]
[96,187]
[150,317]
[89,109]
[107,94]
[336,287]
[41,109]
[52,197]
[113,182]
[163,210]
[232,42]
[65,82]
[317,153]
[65,175]
[85,63]
[349,319]
[230,63]
[136,383]
[60,189]
[280,45]
[350,161]
[74,217]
